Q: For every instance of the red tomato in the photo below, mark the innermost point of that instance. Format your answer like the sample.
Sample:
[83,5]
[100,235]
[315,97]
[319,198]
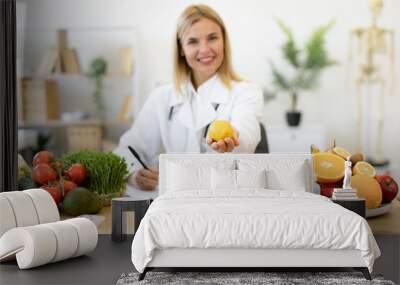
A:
[43,174]
[55,192]
[77,173]
[68,186]
[42,157]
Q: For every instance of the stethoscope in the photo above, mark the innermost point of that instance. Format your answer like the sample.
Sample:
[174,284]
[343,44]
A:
[171,112]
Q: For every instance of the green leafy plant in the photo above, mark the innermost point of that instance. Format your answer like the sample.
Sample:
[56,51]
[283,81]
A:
[307,63]
[97,71]
[106,172]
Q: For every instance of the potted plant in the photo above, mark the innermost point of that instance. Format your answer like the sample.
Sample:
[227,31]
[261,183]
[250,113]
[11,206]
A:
[97,71]
[306,66]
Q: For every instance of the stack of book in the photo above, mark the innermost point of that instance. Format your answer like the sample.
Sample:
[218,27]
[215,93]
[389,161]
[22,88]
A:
[62,59]
[344,194]
[40,100]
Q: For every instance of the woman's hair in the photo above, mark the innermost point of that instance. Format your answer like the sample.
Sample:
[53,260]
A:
[189,16]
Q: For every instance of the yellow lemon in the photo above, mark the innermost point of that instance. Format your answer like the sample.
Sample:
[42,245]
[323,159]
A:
[220,130]
[365,168]
[341,152]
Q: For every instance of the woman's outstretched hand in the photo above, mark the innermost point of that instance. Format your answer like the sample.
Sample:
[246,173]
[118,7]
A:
[144,179]
[225,145]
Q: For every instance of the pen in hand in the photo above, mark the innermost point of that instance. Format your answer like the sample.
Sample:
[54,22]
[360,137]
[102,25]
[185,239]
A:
[135,154]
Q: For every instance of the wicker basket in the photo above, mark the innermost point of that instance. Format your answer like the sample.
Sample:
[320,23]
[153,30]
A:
[84,137]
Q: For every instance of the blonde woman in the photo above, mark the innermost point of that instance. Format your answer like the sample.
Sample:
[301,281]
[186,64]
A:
[176,117]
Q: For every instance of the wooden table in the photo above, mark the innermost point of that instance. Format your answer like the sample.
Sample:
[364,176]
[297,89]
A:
[105,227]
[388,224]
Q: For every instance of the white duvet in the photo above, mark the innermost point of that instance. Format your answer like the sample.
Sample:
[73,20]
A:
[250,219]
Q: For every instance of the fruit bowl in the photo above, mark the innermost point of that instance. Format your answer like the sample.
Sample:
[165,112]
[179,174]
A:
[383,209]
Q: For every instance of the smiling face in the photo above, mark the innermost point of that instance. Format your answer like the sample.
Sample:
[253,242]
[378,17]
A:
[203,48]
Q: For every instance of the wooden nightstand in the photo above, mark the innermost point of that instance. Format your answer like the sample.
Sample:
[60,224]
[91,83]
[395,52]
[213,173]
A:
[357,205]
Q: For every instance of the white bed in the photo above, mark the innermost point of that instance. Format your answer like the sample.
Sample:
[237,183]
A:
[203,220]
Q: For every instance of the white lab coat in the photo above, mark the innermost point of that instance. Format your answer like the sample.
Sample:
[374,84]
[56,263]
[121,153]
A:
[192,112]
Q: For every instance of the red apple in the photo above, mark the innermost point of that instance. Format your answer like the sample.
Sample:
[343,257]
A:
[43,174]
[389,187]
[55,192]
[42,157]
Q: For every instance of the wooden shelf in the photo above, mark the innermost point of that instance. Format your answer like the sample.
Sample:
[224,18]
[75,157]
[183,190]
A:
[55,124]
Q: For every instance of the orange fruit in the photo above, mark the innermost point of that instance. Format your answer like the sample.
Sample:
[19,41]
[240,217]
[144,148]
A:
[341,152]
[220,129]
[328,167]
[367,188]
[365,168]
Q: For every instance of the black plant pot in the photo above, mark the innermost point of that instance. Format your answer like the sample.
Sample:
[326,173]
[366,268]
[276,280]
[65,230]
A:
[293,118]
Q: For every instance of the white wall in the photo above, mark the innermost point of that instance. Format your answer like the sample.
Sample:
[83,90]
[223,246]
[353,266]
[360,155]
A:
[255,38]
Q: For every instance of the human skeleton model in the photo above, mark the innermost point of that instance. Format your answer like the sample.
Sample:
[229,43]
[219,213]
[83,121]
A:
[373,45]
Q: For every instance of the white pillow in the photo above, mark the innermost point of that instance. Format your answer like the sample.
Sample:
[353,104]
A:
[251,178]
[226,179]
[223,179]
[282,174]
[294,179]
[181,177]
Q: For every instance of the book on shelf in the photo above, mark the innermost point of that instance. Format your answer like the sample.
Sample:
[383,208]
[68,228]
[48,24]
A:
[124,114]
[48,62]
[62,39]
[61,59]
[125,61]
[69,60]
[40,101]
[58,68]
